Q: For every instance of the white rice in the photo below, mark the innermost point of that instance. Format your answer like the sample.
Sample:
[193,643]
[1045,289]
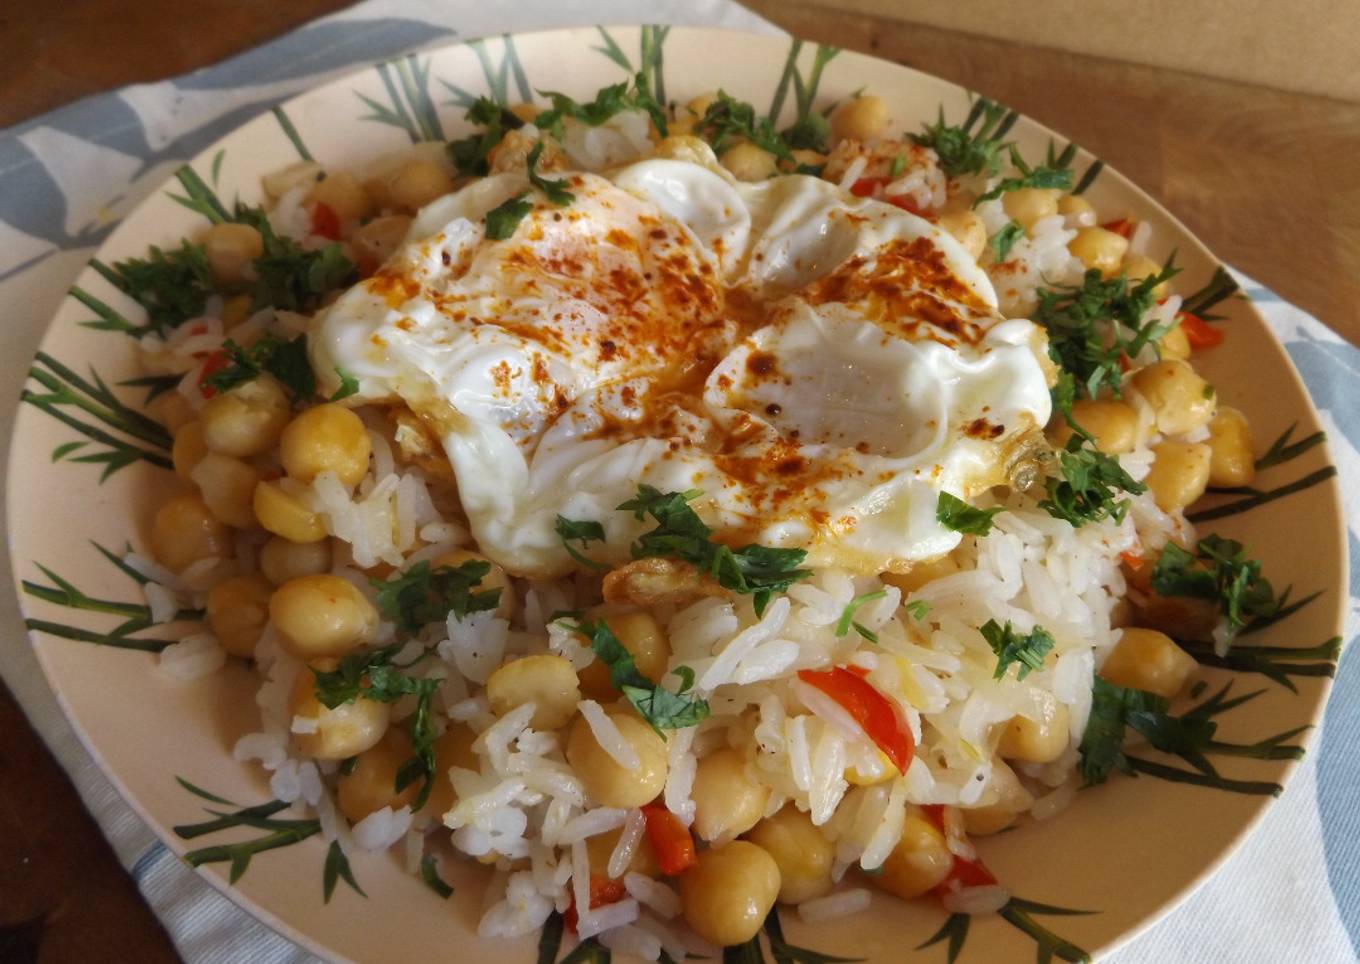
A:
[840,904]
[608,736]
[193,657]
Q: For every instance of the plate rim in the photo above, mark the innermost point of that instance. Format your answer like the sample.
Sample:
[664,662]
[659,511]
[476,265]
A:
[345,76]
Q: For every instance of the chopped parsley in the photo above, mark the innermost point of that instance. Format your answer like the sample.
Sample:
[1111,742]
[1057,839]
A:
[1088,484]
[1219,571]
[1010,647]
[962,150]
[810,132]
[583,531]
[608,102]
[286,360]
[286,275]
[502,220]
[1102,743]
[470,154]
[349,385]
[661,708]
[899,164]
[422,595]
[173,286]
[556,191]
[1002,242]
[728,119]
[953,513]
[917,609]
[680,534]
[370,674]
[847,620]
[1093,327]
[1043,176]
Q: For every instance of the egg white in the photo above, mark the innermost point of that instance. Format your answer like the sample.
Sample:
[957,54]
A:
[822,366]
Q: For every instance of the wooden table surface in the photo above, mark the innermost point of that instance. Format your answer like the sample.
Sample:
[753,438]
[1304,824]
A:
[1264,177]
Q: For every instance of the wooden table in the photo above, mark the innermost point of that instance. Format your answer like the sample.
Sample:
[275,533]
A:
[1264,177]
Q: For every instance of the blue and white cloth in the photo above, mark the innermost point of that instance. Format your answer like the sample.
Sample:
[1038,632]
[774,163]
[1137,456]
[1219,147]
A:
[66,179]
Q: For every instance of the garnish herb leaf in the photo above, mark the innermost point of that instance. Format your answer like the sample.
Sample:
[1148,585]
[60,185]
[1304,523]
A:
[502,220]
[953,513]
[1009,646]
[917,609]
[728,119]
[556,191]
[285,360]
[173,286]
[584,531]
[663,709]
[962,150]
[469,154]
[1219,571]
[1088,483]
[286,275]
[1046,175]
[760,571]
[848,615]
[349,385]
[1091,328]
[429,872]
[422,595]
[1002,242]
[608,101]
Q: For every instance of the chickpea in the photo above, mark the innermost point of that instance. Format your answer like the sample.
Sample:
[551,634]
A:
[188,450]
[378,238]
[1179,474]
[728,798]
[246,420]
[646,642]
[609,784]
[1114,425]
[920,573]
[453,749]
[921,860]
[372,783]
[1145,659]
[600,848]
[419,183]
[803,854]
[699,105]
[862,118]
[321,615]
[343,194]
[1077,211]
[327,438]
[1140,266]
[237,309]
[173,411]
[228,487]
[967,229]
[280,512]
[746,162]
[1181,399]
[984,821]
[238,608]
[546,680]
[347,730]
[525,112]
[231,248]
[1099,248]
[185,531]
[1029,205]
[1040,740]
[1232,459]
[281,560]
[726,895]
[495,579]
[1174,345]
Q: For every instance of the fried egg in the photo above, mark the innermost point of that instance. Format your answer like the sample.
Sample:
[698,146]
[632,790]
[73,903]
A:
[822,366]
